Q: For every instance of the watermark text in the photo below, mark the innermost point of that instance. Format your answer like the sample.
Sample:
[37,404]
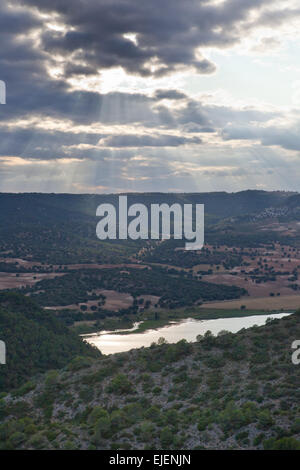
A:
[2,352]
[138,222]
[2,92]
[296,353]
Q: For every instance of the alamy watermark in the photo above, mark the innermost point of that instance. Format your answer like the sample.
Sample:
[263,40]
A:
[2,92]
[2,352]
[296,353]
[138,222]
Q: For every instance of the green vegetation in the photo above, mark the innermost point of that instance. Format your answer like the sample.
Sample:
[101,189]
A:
[236,391]
[166,254]
[174,289]
[226,392]
[60,228]
[151,320]
[36,341]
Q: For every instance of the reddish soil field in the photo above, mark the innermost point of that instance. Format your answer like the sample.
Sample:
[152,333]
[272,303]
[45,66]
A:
[254,290]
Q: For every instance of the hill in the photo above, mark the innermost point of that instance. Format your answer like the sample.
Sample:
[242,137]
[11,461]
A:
[36,341]
[45,207]
[60,228]
[238,391]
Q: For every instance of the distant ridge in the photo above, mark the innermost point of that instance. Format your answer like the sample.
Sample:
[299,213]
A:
[33,206]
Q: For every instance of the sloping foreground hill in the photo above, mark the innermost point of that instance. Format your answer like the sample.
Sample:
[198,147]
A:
[35,341]
[232,391]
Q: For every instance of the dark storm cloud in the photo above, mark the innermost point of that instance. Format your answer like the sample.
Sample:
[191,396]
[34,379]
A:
[165,34]
[169,31]
[38,144]
[31,91]
[54,99]
[23,65]
[16,21]
[71,69]
[18,57]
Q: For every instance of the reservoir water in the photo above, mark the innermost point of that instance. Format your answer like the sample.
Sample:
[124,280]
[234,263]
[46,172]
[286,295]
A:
[110,342]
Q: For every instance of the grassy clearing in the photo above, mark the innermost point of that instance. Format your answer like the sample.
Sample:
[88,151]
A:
[108,324]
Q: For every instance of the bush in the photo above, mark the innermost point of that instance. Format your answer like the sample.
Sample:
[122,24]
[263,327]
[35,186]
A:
[37,441]
[166,437]
[120,385]
[97,413]
[265,419]
[285,443]
[24,389]
[102,430]
[296,426]
[79,362]
[16,439]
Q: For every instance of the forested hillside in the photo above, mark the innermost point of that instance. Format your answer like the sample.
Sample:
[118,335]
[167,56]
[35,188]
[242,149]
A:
[234,391]
[60,228]
[35,340]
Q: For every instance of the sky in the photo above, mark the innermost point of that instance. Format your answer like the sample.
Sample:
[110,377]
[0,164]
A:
[109,96]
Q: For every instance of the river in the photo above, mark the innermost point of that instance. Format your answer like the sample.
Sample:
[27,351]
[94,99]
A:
[110,342]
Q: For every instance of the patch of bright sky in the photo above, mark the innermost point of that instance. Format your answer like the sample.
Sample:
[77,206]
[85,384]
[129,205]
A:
[252,78]
[249,78]
[117,80]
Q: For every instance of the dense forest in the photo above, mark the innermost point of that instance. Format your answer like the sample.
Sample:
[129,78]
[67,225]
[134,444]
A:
[36,341]
[174,289]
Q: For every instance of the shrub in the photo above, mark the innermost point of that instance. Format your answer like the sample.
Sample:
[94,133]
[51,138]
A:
[24,389]
[285,443]
[166,437]
[120,385]
[16,439]
[97,413]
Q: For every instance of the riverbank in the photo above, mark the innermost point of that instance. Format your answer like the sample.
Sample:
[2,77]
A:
[207,314]
[188,329]
[150,320]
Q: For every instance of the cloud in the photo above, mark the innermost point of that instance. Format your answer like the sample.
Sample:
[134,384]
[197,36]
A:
[60,126]
[148,141]
[285,137]
[167,35]
[38,144]
[169,95]
[267,45]
[15,21]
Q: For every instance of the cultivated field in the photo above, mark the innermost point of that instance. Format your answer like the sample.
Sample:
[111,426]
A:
[286,302]
[13,281]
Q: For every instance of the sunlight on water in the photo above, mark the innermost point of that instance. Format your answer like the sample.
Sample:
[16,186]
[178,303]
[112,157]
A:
[110,343]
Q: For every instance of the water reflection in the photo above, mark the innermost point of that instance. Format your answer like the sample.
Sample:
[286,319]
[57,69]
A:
[110,343]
